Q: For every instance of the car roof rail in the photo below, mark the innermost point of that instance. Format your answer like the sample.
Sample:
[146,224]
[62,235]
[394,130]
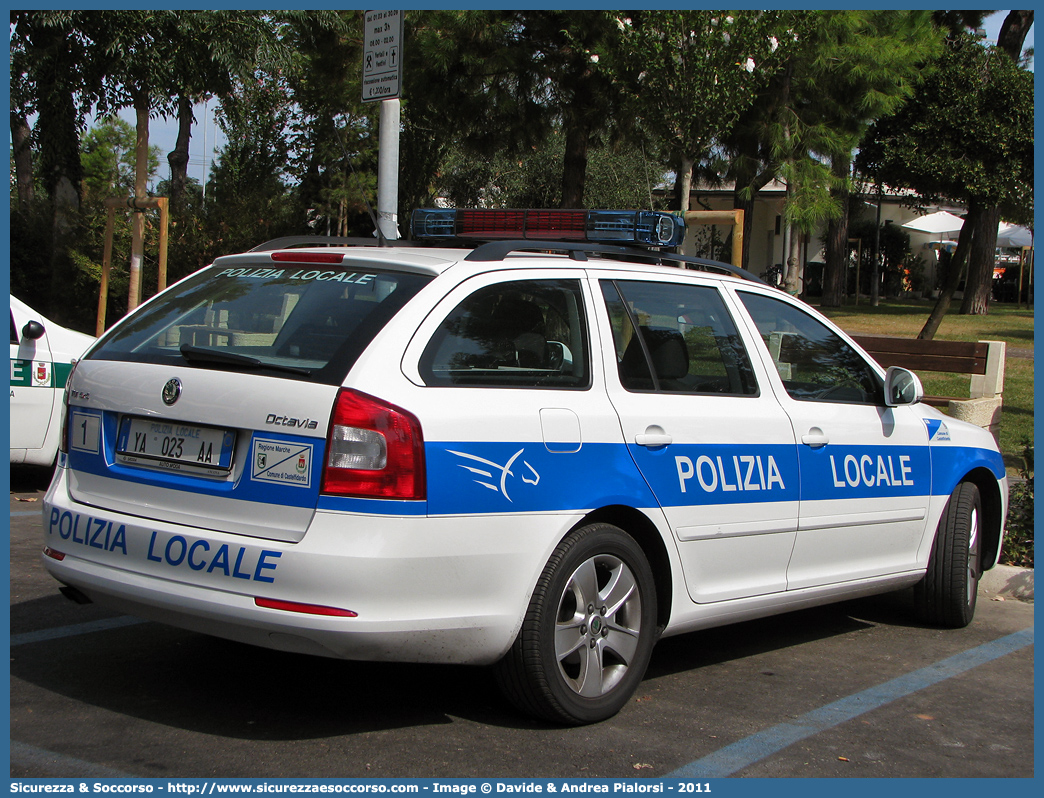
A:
[288,242]
[498,250]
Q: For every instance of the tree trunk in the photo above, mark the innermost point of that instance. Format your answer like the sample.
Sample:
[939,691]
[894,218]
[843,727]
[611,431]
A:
[65,199]
[21,137]
[981,260]
[178,158]
[1013,33]
[57,127]
[837,239]
[748,184]
[574,167]
[141,177]
[953,276]
[683,182]
[982,257]
[794,281]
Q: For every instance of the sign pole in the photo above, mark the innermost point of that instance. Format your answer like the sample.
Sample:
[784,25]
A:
[388,171]
[382,76]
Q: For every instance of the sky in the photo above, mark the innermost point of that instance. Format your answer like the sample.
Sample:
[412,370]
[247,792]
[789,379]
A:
[207,139]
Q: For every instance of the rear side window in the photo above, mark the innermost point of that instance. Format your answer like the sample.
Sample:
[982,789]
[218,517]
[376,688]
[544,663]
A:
[518,334]
[676,338]
[301,323]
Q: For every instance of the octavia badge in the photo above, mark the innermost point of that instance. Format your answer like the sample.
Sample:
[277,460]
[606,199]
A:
[171,391]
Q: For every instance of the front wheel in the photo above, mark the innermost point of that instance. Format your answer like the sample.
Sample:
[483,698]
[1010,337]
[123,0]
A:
[589,631]
[947,593]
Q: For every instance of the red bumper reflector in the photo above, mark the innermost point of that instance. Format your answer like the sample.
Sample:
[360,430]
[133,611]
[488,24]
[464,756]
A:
[54,555]
[307,609]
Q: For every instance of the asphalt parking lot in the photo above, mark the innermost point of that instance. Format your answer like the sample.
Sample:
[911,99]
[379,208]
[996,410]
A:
[853,690]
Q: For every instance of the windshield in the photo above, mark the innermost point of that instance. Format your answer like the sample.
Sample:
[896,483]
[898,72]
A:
[301,323]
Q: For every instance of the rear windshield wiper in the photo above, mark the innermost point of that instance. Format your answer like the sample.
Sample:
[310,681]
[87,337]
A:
[204,355]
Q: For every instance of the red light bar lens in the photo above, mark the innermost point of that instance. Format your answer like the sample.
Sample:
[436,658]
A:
[289,256]
[307,609]
[555,225]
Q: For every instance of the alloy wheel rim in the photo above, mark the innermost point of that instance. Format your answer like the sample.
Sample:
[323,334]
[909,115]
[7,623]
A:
[598,626]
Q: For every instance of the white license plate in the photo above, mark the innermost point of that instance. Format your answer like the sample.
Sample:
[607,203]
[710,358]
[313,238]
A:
[175,447]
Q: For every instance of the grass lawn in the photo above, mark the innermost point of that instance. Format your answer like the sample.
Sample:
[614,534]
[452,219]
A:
[1003,323]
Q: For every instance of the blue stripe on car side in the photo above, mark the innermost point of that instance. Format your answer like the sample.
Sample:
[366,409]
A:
[481,478]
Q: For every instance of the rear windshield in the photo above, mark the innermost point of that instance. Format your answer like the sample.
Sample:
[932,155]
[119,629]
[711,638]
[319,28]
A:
[302,323]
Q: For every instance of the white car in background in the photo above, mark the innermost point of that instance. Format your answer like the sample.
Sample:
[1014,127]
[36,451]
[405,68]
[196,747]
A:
[42,354]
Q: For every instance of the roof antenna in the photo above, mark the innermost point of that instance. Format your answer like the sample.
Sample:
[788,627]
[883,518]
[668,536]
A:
[381,240]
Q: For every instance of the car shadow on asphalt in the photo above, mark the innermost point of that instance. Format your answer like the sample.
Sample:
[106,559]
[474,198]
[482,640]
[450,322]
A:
[220,687]
[214,686]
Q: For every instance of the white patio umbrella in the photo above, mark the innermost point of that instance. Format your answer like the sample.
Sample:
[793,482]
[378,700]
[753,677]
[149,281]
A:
[1012,235]
[937,223]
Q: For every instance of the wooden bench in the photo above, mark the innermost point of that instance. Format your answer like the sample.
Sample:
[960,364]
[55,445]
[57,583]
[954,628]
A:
[983,360]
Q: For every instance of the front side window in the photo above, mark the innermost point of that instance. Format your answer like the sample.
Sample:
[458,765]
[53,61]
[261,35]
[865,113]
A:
[687,341]
[293,321]
[814,363]
[518,334]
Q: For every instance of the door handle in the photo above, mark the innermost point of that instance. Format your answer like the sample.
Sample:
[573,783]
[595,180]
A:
[652,437]
[815,438]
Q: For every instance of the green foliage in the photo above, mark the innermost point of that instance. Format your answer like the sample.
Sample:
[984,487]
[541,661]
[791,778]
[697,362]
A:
[692,73]
[501,107]
[616,178]
[1018,540]
[247,188]
[976,108]
[107,159]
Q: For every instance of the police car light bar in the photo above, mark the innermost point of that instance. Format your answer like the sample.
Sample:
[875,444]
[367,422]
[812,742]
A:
[646,228]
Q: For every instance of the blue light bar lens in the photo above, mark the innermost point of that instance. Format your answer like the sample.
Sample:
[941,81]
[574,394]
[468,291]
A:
[647,228]
[434,223]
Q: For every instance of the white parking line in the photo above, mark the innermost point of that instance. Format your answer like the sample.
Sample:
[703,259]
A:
[742,753]
[57,632]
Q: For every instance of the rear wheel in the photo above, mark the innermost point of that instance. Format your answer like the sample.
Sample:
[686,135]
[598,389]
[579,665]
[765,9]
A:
[947,593]
[588,633]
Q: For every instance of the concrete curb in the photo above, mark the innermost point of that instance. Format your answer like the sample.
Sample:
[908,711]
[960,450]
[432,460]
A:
[1007,581]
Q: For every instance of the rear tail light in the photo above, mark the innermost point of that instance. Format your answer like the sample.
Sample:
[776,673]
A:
[63,438]
[374,450]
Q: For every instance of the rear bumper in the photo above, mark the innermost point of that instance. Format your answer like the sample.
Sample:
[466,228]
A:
[446,590]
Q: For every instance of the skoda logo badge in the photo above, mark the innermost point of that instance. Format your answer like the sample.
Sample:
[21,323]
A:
[171,391]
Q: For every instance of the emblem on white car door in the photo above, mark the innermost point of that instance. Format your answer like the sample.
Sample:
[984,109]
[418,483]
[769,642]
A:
[505,471]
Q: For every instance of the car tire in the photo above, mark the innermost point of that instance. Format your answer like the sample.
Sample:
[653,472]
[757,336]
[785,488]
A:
[947,593]
[588,633]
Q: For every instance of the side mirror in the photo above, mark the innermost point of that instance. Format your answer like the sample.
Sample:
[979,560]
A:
[902,387]
[33,330]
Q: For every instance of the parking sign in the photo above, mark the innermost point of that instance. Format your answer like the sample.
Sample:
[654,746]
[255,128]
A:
[382,55]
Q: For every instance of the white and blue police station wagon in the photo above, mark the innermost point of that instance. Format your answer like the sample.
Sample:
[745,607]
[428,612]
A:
[543,452]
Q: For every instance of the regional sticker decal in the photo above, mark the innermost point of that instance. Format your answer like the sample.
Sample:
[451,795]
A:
[281,462]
